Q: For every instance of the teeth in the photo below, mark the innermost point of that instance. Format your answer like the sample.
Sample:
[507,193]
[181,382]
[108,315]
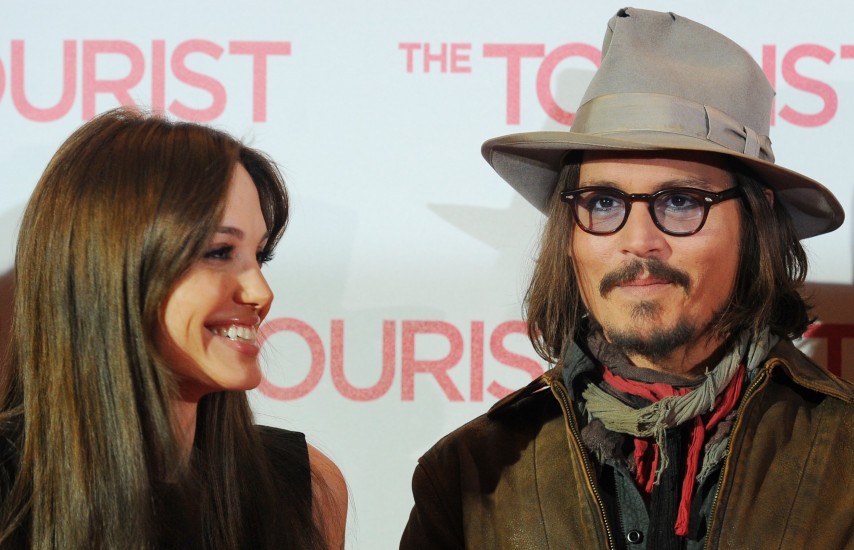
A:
[237,332]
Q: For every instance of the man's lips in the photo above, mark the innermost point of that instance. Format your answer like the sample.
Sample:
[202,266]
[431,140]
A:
[643,273]
[645,281]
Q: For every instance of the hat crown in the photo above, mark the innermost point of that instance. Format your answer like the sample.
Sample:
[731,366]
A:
[668,83]
[662,53]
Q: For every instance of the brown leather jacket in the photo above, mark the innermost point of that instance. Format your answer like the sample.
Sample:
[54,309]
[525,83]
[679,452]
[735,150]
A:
[519,478]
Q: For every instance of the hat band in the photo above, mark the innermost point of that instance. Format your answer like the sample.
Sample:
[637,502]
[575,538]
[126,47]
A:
[649,112]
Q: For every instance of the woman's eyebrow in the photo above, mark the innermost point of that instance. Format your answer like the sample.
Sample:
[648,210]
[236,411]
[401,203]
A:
[229,230]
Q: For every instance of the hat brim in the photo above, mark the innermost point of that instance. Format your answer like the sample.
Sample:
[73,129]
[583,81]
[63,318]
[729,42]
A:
[531,162]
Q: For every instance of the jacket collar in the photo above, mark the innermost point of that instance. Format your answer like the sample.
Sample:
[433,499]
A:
[799,368]
[576,361]
[784,358]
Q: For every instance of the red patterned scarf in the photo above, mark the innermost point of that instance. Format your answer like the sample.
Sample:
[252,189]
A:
[647,452]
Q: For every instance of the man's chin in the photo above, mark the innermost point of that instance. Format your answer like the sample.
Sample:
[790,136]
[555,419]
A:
[645,311]
[654,344]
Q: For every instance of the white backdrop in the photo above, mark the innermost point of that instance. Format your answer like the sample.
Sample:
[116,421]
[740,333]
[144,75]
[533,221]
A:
[399,281]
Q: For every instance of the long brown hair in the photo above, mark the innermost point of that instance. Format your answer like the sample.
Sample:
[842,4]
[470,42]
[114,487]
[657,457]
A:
[771,271]
[123,209]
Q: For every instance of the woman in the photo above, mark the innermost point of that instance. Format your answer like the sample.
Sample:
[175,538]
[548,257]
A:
[138,297]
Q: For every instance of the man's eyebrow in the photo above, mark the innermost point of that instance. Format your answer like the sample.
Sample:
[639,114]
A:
[697,183]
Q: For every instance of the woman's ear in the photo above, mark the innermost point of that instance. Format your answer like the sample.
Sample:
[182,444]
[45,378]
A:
[769,194]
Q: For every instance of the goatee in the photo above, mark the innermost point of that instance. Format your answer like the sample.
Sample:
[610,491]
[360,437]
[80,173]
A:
[655,346]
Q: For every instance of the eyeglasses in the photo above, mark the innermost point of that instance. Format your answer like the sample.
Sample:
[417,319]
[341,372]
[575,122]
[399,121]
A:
[679,211]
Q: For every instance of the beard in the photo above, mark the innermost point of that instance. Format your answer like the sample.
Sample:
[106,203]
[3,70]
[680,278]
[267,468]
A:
[660,342]
[655,346]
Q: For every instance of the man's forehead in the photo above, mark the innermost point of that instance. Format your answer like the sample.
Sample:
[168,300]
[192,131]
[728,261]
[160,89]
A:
[663,169]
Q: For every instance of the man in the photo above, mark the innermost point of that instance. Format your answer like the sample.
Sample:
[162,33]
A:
[679,414]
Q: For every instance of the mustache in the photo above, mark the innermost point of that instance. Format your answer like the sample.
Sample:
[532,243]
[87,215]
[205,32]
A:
[656,269]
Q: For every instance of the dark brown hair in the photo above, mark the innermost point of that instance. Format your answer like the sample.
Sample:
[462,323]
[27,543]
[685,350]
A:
[771,271]
[123,209]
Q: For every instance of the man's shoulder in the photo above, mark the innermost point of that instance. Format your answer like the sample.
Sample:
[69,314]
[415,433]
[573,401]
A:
[799,368]
[512,422]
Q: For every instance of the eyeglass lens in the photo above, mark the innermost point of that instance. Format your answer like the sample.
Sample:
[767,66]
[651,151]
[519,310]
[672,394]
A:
[678,211]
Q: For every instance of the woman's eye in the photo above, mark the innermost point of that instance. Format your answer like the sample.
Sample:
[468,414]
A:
[219,253]
[263,257]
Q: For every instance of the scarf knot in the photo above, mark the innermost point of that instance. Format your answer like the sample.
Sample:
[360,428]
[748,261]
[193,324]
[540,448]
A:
[704,406]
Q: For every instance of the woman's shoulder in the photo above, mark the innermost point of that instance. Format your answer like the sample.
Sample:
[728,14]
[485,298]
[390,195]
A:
[288,453]
[281,439]
[329,497]
[304,465]
[327,473]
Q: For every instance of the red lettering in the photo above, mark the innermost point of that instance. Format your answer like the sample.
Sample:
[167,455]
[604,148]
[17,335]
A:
[410,48]
[318,358]
[460,55]
[410,366]
[102,60]
[825,92]
[514,54]
[509,358]
[544,78]
[158,76]
[120,88]
[198,80]
[476,380]
[441,58]
[259,51]
[339,379]
[69,84]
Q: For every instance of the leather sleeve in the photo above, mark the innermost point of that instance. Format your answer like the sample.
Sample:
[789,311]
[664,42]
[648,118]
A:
[436,519]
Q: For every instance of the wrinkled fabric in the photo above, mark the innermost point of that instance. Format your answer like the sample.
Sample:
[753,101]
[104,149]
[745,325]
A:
[674,410]
[519,478]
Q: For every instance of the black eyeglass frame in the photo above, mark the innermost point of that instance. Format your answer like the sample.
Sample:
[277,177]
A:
[709,198]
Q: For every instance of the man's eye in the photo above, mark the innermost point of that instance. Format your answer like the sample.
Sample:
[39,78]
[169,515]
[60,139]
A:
[680,201]
[602,203]
[219,253]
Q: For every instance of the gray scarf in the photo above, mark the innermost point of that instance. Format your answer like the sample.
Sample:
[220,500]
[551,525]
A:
[653,420]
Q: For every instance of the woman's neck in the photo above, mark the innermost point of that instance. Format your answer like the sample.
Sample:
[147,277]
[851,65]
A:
[184,424]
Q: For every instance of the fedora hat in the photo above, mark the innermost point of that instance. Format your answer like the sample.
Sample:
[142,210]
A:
[668,83]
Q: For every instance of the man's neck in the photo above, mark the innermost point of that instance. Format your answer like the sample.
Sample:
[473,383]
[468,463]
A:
[690,361]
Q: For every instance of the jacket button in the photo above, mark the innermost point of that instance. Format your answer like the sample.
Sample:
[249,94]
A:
[634,536]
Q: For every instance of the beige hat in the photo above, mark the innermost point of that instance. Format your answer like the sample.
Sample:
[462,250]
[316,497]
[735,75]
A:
[666,82]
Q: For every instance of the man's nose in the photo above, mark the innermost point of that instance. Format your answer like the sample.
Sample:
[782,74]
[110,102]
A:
[640,236]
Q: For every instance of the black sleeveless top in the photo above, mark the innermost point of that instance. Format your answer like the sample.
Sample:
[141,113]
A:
[288,453]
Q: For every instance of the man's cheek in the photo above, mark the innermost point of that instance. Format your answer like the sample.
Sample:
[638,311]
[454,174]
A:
[586,288]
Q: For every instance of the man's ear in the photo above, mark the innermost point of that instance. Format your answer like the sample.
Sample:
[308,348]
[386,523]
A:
[769,194]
